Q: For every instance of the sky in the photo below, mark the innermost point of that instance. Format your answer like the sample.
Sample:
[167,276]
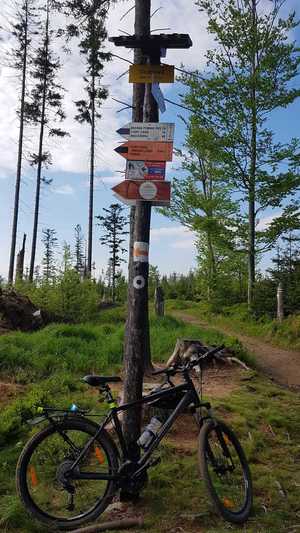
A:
[65,203]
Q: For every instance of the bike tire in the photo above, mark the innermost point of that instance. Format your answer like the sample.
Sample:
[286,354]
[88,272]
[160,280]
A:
[224,502]
[28,494]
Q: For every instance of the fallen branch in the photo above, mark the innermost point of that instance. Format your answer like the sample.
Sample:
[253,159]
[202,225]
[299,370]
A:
[238,362]
[115,524]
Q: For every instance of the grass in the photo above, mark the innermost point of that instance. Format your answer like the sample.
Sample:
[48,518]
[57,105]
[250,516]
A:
[267,419]
[236,318]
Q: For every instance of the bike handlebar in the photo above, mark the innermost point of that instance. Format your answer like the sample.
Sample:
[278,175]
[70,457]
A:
[172,370]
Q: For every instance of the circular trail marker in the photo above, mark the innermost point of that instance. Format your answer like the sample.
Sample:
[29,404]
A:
[139,282]
[148,190]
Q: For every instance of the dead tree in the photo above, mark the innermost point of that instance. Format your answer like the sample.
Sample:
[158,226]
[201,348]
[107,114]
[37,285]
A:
[20,261]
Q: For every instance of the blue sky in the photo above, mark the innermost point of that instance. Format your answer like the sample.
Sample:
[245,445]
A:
[65,203]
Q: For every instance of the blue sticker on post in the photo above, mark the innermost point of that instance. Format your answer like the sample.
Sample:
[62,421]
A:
[158,96]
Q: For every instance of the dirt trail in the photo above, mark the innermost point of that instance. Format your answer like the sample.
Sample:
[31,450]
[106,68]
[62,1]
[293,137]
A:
[280,364]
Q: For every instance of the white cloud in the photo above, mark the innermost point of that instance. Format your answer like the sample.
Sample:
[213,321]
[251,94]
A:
[72,155]
[265,222]
[104,180]
[170,231]
[184,244]
[177,237]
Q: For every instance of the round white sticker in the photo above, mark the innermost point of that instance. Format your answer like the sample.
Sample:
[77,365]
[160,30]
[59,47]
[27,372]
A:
[148,190]
[139,282]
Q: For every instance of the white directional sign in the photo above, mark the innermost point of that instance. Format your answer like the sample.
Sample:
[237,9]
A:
[148,131]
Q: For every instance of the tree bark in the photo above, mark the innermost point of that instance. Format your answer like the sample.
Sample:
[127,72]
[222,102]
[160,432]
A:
[41,142]
[20,261]
[252,177]
[20,155]
[137,340]
[92,173]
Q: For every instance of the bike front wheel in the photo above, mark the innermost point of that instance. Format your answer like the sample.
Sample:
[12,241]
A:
[41,475]
[225,470]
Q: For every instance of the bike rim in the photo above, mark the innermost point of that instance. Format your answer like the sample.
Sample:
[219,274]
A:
[45,478]
[226,474]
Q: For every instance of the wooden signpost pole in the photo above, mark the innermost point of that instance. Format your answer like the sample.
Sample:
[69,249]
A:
[137,341]
[149,49]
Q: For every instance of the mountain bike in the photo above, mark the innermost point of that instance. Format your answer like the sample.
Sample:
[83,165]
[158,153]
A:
[69,472]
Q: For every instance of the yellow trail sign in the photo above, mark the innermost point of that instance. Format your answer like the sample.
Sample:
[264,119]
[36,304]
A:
[151,73]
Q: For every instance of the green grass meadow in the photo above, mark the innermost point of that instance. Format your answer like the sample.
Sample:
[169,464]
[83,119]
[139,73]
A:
[47,366]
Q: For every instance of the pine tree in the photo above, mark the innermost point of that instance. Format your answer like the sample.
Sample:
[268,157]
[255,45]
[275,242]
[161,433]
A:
[79,251]
[22,31]
[250,74]
[44,109]
[89,17]
[67,257]
[114,224]
[49,240]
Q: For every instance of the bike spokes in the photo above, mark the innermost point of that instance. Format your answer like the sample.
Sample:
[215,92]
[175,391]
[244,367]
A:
[225,471]
[48,475]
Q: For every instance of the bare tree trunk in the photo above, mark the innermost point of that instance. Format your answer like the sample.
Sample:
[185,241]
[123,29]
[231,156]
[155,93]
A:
[40,156]
[252,177]
[20,261]
[114,267]
[20,154]
[92,173]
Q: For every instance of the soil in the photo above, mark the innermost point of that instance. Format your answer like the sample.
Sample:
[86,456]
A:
[281,365]
[9,391]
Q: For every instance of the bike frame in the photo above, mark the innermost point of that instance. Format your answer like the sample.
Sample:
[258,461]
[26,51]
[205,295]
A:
[190,397]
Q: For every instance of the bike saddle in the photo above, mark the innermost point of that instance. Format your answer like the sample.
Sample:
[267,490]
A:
[94,381]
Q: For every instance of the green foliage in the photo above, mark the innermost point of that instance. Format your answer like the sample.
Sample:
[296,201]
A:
[69,297]
[49,241]
[230,148]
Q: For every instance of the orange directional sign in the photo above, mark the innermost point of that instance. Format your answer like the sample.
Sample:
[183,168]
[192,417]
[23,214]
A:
[151,73]
[156,192]
[146,151]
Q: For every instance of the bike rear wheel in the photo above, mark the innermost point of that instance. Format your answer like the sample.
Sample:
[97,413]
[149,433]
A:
[225,470]
[41,482]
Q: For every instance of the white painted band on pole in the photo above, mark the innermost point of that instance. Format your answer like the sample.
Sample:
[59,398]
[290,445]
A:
[139,282]
[141,252]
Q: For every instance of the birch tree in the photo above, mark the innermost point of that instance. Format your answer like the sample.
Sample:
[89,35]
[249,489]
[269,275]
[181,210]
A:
[249,75]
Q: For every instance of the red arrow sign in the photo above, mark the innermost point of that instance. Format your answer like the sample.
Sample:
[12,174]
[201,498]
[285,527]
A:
[156,192]
[146,151]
